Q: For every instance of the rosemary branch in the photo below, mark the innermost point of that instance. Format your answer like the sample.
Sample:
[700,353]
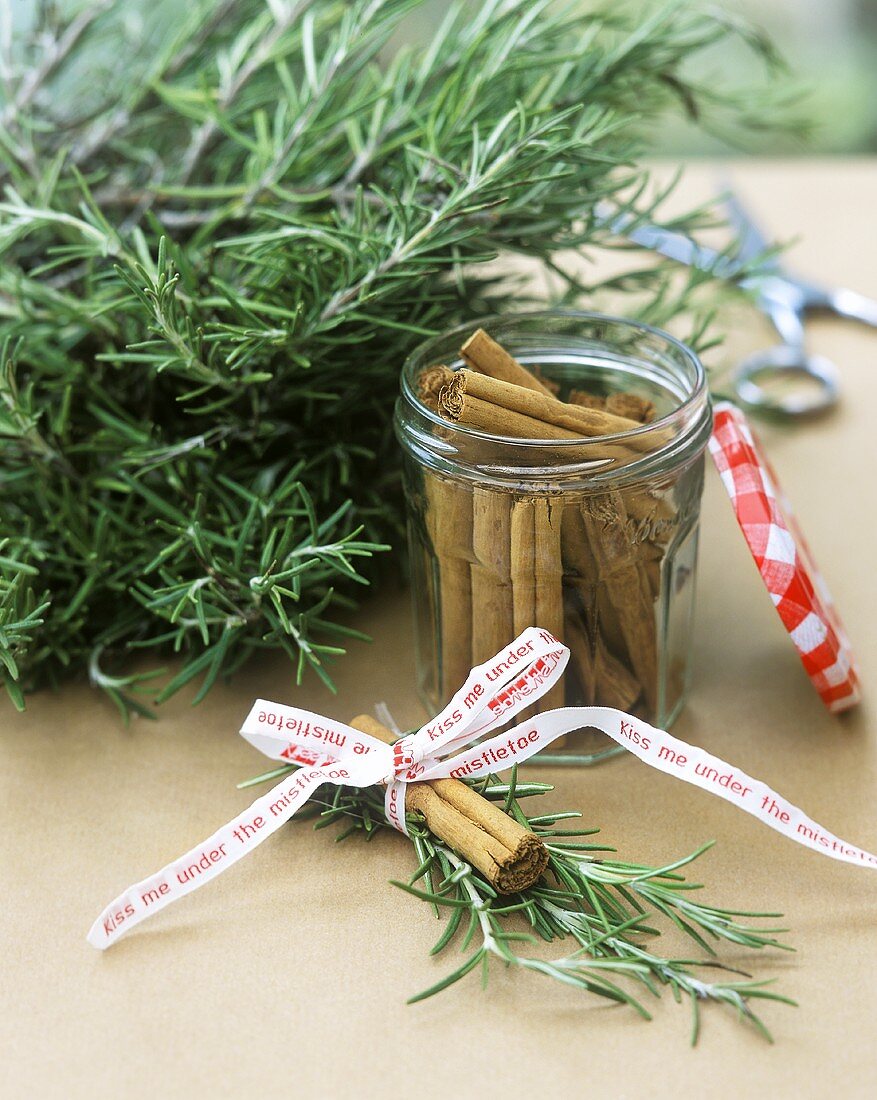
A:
[223,228]
[606,907]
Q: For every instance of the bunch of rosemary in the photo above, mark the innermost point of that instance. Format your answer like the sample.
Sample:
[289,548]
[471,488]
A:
[223,224]
[605,906]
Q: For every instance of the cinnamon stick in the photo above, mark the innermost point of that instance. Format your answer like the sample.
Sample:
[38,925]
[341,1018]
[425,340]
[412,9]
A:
[523,572]
[628,405]
[491,573]
[604,678]
[483,353]
[586,400]
[467,387]
[549,383]
[523,563]
[651,558]
[509,856]
[628,591]
[632,406]
[548,569]
[537,576]
[654,513]
[431,382]
[606,681]
[485,416]
[449,526]
[606,620]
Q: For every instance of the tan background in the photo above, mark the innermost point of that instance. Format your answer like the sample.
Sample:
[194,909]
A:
[289,974]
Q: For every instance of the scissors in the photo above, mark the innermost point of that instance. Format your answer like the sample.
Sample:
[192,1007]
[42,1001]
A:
[784,298]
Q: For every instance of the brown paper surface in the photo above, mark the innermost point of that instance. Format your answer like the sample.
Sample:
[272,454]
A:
[288,975]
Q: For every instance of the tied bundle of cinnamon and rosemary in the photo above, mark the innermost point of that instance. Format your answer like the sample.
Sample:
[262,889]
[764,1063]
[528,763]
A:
[584,564]
[603,913]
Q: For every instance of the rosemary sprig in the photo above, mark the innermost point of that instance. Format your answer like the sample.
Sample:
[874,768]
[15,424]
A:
[607,907]
[223,226]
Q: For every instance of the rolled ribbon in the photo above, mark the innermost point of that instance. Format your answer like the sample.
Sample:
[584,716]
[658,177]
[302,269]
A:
[450,745]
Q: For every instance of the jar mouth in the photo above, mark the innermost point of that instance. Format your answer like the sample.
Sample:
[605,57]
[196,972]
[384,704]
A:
[589,351]
[427,353]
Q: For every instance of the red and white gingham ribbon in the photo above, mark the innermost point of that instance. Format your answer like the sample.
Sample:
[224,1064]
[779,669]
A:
[449,745]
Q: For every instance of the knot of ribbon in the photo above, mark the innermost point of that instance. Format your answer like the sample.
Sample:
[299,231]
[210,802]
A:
[453,744]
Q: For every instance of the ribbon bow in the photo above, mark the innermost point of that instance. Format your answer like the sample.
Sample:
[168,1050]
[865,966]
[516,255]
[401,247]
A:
[451,744]
[492,694]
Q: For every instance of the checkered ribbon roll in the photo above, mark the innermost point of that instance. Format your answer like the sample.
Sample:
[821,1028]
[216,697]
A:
[784,559]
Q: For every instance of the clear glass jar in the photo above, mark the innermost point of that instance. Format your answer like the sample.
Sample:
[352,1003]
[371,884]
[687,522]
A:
[594,539]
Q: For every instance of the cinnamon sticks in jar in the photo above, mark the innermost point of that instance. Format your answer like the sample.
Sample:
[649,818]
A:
[584,562]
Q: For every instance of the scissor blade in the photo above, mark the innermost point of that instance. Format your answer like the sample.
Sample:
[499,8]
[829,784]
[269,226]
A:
[855,306]
[752,241]
[676,246]
[667,242]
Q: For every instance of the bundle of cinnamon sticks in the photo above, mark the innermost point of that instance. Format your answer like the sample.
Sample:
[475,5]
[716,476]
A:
[585,565]
[509,856]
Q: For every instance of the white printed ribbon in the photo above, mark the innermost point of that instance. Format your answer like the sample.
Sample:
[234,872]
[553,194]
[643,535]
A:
[449,745]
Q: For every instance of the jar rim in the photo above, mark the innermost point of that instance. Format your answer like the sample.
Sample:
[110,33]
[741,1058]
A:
[416,359]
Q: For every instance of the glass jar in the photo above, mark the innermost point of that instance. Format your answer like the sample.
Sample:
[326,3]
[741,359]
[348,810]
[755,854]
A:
[594,539]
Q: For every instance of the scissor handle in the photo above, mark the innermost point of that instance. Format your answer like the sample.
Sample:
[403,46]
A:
[785,359]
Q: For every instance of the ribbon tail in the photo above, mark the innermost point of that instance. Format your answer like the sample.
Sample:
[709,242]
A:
[394,804]
[695,765]
[662,751]
[207,860]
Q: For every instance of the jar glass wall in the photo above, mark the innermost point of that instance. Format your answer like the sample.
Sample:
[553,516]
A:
[594,539]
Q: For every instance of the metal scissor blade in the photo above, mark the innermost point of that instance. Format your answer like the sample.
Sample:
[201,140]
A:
[666,242]
[752,241]
[676,246]
[851,304]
